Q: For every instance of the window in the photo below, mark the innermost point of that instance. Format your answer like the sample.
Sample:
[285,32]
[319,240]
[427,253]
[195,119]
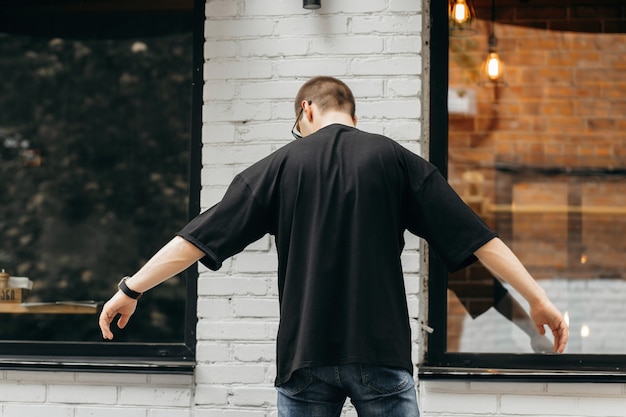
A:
[542,160]
[96,130]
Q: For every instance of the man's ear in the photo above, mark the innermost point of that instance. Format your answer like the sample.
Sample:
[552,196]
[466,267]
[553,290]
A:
[308,111]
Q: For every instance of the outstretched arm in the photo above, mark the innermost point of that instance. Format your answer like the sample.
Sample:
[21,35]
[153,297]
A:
[176,256]
[502,262]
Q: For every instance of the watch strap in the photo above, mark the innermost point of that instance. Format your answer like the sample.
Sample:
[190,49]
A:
[124,288]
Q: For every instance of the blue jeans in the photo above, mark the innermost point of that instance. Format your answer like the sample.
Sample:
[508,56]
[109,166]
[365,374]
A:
[375,391]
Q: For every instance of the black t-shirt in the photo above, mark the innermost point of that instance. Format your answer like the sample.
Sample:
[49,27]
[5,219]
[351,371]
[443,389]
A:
[338,203]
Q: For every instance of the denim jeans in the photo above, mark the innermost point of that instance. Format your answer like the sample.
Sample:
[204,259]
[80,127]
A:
[375,391]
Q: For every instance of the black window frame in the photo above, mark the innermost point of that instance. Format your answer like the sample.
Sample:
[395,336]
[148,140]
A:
[438,363]
[68,20]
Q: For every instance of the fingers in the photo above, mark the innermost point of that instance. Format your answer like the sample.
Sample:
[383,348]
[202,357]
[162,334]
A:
[123,321]
[105,324]
[561,335]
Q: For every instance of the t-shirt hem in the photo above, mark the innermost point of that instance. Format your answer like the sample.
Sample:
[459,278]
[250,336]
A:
[211,260]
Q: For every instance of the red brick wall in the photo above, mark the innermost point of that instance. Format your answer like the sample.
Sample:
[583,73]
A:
[554,138]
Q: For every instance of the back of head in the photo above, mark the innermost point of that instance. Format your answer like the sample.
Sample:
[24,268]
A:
[327,93]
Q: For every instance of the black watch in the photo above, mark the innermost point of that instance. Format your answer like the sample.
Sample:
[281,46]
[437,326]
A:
[124,288]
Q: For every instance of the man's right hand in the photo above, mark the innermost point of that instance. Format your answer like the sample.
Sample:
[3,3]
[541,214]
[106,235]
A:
[121,304]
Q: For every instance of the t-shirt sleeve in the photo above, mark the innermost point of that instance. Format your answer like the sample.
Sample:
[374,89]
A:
[229,226]
[451,228]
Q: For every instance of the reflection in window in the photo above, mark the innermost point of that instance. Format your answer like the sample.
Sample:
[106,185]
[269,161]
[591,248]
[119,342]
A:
[543,161]
[94,139]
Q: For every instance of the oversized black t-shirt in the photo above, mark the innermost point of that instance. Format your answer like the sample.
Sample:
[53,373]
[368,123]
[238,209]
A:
[338,202]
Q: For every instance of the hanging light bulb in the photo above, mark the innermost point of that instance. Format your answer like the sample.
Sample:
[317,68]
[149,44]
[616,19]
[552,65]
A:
[461,18]
[460,11]
[494,66]
[492,69]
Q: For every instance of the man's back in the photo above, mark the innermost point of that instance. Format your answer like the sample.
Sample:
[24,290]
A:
[338,203]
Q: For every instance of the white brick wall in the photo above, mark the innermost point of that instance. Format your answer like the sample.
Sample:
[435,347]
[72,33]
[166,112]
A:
[258,53]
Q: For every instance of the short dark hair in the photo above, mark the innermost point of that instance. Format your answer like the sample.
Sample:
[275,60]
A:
[328,93]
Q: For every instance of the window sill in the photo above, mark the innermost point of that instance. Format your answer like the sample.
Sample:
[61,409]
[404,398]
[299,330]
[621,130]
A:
[91,364]
[521,375]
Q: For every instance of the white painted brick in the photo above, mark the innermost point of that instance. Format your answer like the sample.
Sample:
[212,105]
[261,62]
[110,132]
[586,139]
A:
[538,405]
[279,47]
[111,378]
[219,90]
[588,389]
[601,406]
[213,352]
[311,67]
[372,6]
[428,387]
[403,45]
[211,196]
[383,24]
[155,396]
[478,403]
[283,90]
[246,154]
[387,65]
[235,330]
[255,262]
[255,352]
[237,28]
[215,308]
[68,394]
[231,374]
[405,6]
[30,393]
[410,262]
[110,412]
[412,284]
[413,306]
[218,133]
[348,45]
[253,69]
[238,112]
[221,8]
[221,49]
[313,25]
[276,133]
[232,286]
[24,410]
[228,413]
[385,108]
[273,8]
[212,394]
[405,132]
[219,176]
[364,88]
[168,412]
[404,87]
[411,242]
[254,396]
[256,307]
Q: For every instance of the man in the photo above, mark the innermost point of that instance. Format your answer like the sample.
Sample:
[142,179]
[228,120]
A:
[338,201]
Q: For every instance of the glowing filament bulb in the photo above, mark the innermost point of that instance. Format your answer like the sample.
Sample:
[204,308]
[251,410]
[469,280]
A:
[461,11]
[494,66]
